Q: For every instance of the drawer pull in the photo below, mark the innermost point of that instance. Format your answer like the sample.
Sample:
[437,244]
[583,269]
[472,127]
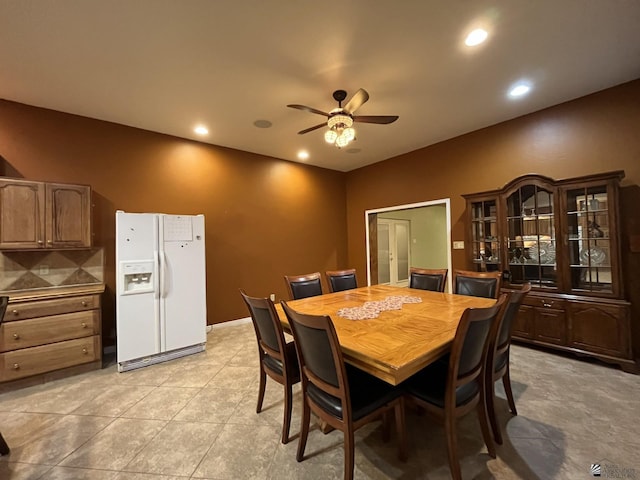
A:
[16,366]
[545,304]
[40,242]
[16,336]
[15,312]
[84,304]
[84,325]
[85,351]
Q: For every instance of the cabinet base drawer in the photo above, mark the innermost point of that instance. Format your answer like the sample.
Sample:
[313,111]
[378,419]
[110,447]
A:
[45,330]
[35,360]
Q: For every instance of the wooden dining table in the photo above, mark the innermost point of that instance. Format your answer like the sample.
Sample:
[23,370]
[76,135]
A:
[398,343]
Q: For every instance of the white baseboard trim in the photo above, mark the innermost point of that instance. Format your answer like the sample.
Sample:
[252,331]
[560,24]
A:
[230,323]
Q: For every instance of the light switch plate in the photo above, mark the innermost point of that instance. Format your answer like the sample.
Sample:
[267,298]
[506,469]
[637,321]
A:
[459,245]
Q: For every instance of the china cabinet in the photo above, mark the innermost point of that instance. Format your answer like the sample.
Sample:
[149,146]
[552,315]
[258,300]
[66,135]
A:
[563,237]
[37,215]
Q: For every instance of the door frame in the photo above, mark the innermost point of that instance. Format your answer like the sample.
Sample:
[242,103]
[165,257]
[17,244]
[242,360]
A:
[443,201]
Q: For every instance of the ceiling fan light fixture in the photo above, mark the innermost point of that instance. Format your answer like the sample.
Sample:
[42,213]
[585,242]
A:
[349,133]
[342,140]
[340,120]
[330,136]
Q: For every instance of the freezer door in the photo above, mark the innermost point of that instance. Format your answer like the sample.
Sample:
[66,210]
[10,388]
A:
[183,294]
[137,302]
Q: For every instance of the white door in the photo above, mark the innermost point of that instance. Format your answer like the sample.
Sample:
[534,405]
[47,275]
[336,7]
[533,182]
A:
[183,293]
[393,252]
[137,307]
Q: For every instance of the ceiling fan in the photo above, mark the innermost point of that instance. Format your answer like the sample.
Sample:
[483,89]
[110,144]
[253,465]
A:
[340,120]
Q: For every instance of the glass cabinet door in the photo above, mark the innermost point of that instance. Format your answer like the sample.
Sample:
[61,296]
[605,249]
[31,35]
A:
[531,236]
[588,239]
[484,235]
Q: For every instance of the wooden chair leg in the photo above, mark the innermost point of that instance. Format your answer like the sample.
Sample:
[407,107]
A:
[484,426]
[349,447]
[506,381]
[452,446]
[261,388]
[304,430]
[386,428]
[4,448]
[491,411]
[286,423]
[401,428]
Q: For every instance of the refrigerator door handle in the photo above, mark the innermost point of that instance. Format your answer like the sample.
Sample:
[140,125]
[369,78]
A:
[163,274]
[156,280]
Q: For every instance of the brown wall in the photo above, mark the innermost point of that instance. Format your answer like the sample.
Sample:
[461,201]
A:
[597,133]
[264,217]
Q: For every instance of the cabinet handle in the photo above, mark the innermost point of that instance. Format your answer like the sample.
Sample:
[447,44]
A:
[16,366]
[545,304]
[49,242]
[15,312]
[85,351]
[16,336]
[84,325]
[84,304]
[40,242]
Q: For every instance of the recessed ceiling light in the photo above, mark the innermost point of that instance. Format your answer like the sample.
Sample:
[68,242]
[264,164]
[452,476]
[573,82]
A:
[201,130]
[476,37]
[303,155]
[519,90]
[262,123]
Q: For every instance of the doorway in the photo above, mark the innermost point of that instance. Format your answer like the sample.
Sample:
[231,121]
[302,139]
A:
[393,251]
[428,246]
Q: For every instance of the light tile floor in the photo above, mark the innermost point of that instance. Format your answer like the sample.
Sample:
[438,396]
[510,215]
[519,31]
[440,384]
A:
[195,418]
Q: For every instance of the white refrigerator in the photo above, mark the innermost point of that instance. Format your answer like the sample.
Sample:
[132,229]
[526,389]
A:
[161,309]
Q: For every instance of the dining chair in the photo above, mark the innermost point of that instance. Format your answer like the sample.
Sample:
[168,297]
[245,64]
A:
[278,358]
[498,357]
[428,279]
[303,286]
[4,301]
[477,284]
[451,389]
[340,280]
[341,395]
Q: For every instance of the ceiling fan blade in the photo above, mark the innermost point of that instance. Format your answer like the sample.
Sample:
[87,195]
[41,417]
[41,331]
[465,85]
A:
[382,119]
[360,97]
[308,109]
[311,129]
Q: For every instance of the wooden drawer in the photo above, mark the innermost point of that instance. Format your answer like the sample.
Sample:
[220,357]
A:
[40,308]
[46,358]
[44,330]
[545,302]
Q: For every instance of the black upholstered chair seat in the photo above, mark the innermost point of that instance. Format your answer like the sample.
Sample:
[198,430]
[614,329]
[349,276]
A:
[367,394]
[275,365]
[430,384]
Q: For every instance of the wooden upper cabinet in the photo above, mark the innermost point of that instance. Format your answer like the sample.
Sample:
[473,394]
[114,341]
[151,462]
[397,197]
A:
[36,215]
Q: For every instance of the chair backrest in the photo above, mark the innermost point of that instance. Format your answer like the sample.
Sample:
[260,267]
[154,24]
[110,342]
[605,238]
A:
[267,326]
[321,363]
[477,284]
[4,301]
[340,280]
[470,346]
[427,279]
[512,306]
[303,286]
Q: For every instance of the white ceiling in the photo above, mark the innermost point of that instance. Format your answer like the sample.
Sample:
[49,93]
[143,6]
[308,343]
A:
[167,65]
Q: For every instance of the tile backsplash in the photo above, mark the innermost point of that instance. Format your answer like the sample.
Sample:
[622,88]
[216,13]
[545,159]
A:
[26,270]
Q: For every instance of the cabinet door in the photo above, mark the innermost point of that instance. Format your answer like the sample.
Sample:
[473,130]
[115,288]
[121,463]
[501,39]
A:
[68,215]
[550,325]
[600,328]
[523,323]
[21,214]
